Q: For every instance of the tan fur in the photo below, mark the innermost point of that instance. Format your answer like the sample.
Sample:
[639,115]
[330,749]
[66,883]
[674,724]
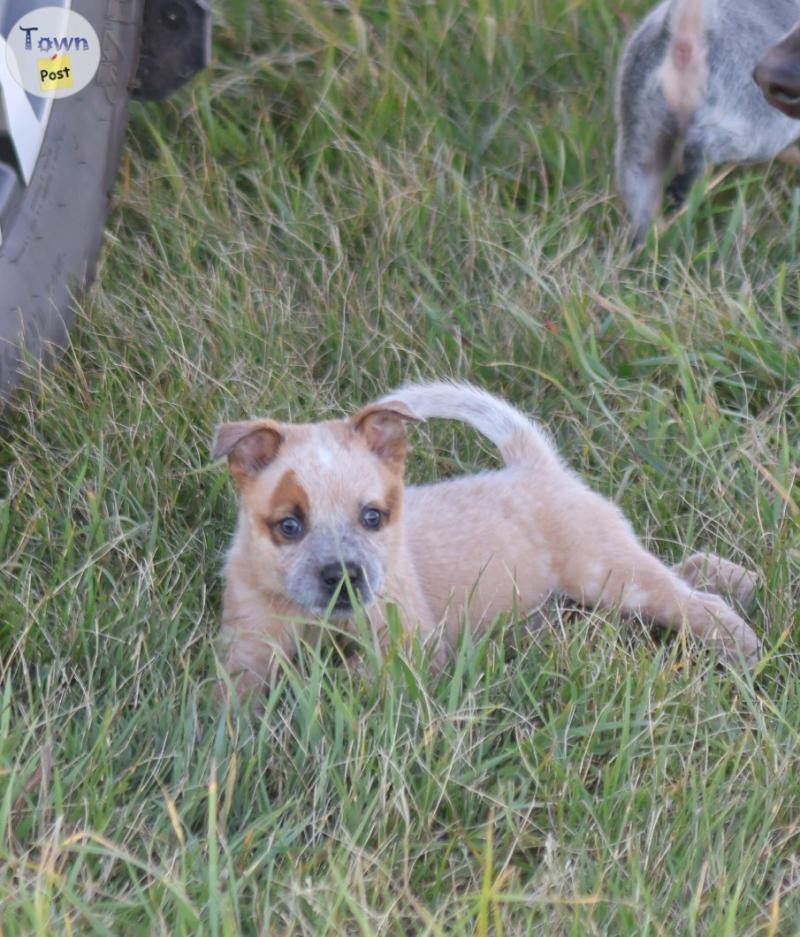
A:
[461,550]
[288,497]
[707,571]
[684,72]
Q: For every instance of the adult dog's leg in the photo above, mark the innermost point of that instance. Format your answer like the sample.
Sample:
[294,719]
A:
[790,156]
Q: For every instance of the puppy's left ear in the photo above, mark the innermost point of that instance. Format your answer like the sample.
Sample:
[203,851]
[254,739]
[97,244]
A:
[383,427]
[249,446]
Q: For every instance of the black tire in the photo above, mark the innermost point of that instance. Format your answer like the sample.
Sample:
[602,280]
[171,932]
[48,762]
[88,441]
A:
[48,254]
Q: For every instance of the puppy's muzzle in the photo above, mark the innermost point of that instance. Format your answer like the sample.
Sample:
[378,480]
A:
[332,576]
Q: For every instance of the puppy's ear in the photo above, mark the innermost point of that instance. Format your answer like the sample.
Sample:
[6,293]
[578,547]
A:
[382,426]
[250,446]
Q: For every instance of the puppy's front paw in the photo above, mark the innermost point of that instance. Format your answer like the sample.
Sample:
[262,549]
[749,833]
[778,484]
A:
[246,687]
[356,665]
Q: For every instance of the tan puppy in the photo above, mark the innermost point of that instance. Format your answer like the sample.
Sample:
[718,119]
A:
[321,500]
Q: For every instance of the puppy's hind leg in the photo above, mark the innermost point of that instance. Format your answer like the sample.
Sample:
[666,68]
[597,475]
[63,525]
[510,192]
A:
[713,573]
[608,567]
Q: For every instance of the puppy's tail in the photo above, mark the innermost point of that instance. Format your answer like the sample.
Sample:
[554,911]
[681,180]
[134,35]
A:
[518,438]
[684,72]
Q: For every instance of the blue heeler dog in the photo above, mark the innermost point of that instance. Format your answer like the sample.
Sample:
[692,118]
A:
[686,99]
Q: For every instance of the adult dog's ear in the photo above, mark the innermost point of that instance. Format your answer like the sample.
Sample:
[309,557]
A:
[383,427]
[250,446]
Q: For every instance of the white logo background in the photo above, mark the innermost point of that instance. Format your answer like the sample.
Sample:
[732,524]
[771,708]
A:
[52,31]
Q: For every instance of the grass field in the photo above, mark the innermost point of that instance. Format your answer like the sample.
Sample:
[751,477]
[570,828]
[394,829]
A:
[350,196]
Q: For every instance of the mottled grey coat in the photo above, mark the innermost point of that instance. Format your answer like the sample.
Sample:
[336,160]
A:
[657,145]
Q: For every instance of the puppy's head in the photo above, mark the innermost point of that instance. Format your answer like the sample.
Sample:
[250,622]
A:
[319,503]
[778,74]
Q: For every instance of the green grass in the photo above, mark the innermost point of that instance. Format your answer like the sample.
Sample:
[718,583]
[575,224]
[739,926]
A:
[350,196]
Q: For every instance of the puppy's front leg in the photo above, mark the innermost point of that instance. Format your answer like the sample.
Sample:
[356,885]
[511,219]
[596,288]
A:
[256,637]
[251,657]
[605,565]
[415,623]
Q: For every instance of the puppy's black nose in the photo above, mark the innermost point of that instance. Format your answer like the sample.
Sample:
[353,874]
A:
[332,574]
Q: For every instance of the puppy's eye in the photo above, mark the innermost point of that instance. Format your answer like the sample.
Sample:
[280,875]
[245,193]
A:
[371,518]
[291,528]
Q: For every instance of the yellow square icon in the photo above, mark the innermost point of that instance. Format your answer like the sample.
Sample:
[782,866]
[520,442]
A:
[55,72]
